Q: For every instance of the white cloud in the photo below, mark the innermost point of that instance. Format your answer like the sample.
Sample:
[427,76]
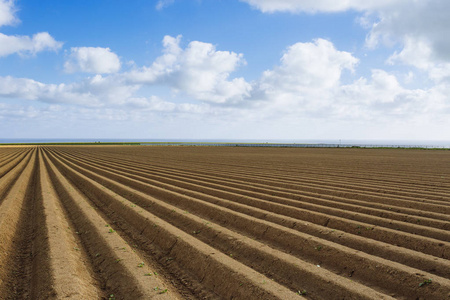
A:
[23,45]
[383,98]
[26,45]
[381,89]
[419,54]
[7,11]
[414,52]
[305,88]
[377,100]
[421,28]
[312,65]
[97,91]
[92,60]
[313,6]
[426,21]
[307,85]
[152,103]
[199,70]
[162,66]
[163,3]
[23,88]
[305,79]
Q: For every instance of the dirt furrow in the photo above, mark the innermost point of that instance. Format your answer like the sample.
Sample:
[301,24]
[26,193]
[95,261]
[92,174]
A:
[322,175]
[380,177]
[389,202]
[294,239]
[74,280]
[322,189]
[401,214]
[5,153]
[121,269]
[135,222]
[409,188]
[13,230]
[186,250]
[403,239]
[349,191]
[11,177]
[358,242]
[192,182]
[7,164]
[221,237]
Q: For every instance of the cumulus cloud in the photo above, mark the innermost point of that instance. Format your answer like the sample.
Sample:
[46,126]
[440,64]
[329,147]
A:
[424,20]
[92,92]
[305,79]
[379,98]
[313,6]
[92,60]
[152,103]
[418,32]
[7,11]
[420,54]
[313,65]
[23,45]
[420,28]
[27,45]
[382,92]
[305,85]
[24,88]
[199,70]
[96,93]
[383,99]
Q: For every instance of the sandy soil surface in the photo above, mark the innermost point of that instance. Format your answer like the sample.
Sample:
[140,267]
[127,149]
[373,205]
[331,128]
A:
[141,222]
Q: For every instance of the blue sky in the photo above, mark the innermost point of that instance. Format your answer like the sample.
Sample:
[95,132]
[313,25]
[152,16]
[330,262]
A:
[216,69]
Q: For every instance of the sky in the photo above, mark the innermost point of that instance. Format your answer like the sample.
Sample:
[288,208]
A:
[225,69]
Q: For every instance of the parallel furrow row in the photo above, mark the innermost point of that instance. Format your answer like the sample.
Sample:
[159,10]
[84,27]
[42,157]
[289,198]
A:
[390,175]
[13,174]
[309,249]
[121,271]
[207,264]
[303,200]
[12,215]
[389,206]
[326,187]
[11,162]
[103,222]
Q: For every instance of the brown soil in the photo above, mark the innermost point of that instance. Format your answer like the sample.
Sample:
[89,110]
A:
[136,222]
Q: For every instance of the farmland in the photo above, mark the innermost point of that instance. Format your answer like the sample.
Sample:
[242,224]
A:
[140,222]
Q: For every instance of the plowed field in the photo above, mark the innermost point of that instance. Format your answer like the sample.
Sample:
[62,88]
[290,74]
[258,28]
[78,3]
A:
[137,222]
